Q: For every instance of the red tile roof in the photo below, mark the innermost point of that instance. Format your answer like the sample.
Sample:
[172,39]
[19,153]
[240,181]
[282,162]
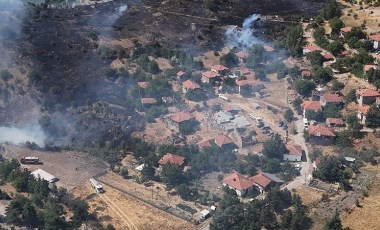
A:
[250,76]
[244,70]
[204,144]
[148,100]
[238,181]
[312,48]
[170,158]
[336,121]
[332,98]
[180,73]
[242,54]
[294,150]
[181,116]
[229,108]
[311,105]
[261,180]
[364,109]
[218,68]
[268,48]
[190,85]
[210,74]
[368,67]
[346,29]
[345,53]
[321,131]
[367,93]
[375,37]
[328,56]
[223,140]
[143,84]
[250,82]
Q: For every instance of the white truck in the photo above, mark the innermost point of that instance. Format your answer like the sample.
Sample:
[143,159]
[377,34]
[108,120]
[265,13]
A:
[96,186]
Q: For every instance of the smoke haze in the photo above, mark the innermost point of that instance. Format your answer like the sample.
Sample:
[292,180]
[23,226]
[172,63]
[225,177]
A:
[242,37]
[17,136]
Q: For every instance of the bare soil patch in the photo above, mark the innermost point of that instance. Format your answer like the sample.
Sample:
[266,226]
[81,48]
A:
[72,168]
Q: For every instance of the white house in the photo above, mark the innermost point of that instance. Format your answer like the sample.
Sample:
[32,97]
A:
[295,153]
[376,39]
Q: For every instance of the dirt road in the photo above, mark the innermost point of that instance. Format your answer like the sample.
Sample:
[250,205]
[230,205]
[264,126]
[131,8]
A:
[306,167]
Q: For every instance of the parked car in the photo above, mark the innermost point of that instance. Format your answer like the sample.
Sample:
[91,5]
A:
[280,123]
[285,127]
[260,124]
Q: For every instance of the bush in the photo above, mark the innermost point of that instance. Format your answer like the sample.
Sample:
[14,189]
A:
[124,172]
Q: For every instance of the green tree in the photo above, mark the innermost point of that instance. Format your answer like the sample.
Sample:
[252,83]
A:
[124,172]
[6,75]
[261,74]
[80,210]
[334,223]
[304,87]
[332,10]
[337,86]
[148,172]
[186,192]
[229,60]
[172,174]
[322,75]
[274,147]
[294,40]
[335,47]
[315,58]
[289,115]
[373,117]
[336,24]
[196,95]
[256,56]
[351,96]
[188,127]
[21,212]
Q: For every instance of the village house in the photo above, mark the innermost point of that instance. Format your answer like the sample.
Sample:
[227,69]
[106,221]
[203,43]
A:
[224,142]
[366,68]
[210,77]
[344,31]
[249,86]
[241,184]
[143,84]
[375,39]
[335,122]
[222,117]
[242,56]
[180,74]
[175,119]
[311,106]
[204,144]
[362,113]
[320,135]
[330,99]
[366,96]
[148,101]
[328,57]
[263,181]
[219,69]
[189,85]
[294,153]
[234,110]
[310,48]
[170,158]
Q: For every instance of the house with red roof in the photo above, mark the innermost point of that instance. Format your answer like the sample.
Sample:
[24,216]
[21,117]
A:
[180,74]
[320,135]
[175,119]
[294,153]
[362,113]
[242,56]
[311,106]
[220,69]
[344,31]
[249,85]
[330,99]
[204,144]
[189,85]
[263,181]
[143,84]
[376,40]
[335,122]
[210,76]
[148,101]
[367,96]
[366,68]
[328,57]
[310,48]
[240,183]
[173,159]
[224,142]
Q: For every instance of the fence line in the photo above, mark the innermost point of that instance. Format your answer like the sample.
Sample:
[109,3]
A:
[141,199]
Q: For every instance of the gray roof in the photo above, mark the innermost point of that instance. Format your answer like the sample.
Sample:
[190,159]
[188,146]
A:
[350,159]
[273,178]
[240,122]
[223,117]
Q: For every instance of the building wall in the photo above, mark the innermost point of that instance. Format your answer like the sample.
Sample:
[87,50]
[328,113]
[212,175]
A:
[366,100]
[321,140]
[361,117]
[288,157]
[376,45]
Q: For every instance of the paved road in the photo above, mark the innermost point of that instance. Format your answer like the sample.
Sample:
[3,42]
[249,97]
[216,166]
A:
[306,167]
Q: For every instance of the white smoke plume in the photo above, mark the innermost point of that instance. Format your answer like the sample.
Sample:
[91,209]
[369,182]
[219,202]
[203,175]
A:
[122,9]
[242,37]
[32,133]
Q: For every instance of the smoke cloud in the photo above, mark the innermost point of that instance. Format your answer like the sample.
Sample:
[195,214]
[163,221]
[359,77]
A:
[242,37]
[18,136]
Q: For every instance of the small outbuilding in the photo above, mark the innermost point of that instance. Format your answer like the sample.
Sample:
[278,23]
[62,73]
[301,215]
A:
[39,173]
